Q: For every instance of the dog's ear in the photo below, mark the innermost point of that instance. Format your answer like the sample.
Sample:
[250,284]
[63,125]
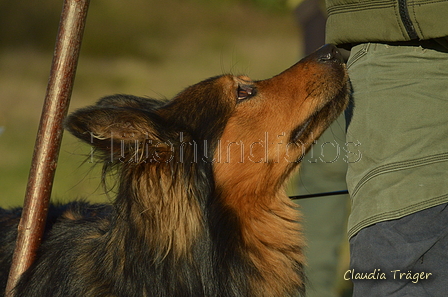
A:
[130,101]
[121,124]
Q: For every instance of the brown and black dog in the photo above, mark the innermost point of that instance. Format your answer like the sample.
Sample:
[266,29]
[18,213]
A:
[200,208]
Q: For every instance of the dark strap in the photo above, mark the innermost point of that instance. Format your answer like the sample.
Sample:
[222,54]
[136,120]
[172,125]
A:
[343,192]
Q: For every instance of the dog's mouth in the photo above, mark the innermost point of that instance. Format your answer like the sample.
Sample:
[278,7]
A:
[298,132]
[334,96]
[316,123]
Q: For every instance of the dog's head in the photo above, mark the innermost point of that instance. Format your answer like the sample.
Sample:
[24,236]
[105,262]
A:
[219,153]
[240,127]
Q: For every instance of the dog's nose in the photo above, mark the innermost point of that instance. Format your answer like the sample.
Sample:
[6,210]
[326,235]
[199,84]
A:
[328,53]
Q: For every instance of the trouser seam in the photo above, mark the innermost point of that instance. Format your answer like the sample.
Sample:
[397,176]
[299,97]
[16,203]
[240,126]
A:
[397,166]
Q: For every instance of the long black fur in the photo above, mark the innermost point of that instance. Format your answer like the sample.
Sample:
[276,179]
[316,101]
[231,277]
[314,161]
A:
[170,232]
[102,251]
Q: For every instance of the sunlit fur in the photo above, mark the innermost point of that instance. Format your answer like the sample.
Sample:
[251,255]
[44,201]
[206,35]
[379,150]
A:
[200,208]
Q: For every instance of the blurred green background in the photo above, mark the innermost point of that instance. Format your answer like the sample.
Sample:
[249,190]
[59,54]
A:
[141,47]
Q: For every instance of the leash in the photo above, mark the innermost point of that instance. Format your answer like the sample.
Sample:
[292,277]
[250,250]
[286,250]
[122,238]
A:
[343,192]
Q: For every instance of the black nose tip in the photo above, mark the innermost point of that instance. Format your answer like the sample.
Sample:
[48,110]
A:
[328,53]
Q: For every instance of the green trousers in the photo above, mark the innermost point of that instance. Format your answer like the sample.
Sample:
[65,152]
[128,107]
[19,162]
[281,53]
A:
[397,138]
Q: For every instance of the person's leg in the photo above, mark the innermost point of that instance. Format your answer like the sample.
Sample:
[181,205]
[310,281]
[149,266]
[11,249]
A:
[398,170]
[411,252]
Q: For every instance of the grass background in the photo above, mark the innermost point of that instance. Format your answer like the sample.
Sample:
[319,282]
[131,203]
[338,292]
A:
[141,47]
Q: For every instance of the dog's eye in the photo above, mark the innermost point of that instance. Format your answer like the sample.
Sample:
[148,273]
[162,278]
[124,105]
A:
[245,92]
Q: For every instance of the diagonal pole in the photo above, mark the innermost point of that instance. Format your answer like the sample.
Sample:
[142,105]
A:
[48,140]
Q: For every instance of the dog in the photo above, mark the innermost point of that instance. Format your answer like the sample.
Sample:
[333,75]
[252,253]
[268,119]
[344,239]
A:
[199,206]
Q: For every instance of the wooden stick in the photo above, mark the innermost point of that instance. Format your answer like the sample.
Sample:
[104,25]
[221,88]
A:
[49,136]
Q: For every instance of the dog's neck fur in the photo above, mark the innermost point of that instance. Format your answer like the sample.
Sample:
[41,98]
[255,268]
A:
[269,228]
[159,203]
[166,212]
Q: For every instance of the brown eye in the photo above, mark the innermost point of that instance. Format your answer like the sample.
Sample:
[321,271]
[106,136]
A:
[245,92]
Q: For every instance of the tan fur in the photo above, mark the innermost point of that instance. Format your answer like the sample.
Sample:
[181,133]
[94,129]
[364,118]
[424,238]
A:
[254,158]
